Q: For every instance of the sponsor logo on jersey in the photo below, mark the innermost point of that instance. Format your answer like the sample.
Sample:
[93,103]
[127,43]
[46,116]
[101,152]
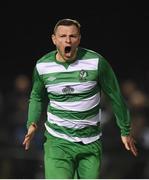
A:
[68,90]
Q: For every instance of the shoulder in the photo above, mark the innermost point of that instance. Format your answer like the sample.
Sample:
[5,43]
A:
[43,61]
[88,53]
[49,57]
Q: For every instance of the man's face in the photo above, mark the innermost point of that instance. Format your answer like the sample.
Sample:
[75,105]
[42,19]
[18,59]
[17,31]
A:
[66,39]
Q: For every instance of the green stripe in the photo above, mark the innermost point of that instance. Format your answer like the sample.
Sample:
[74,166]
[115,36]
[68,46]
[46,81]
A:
[49,57]
[73,97]
[74,114]
[92,75]
[84,132]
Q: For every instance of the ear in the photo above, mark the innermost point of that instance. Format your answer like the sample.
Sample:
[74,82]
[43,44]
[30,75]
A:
[80,36]
[79,40]
[53,39]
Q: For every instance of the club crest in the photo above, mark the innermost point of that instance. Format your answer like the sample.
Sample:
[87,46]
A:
[83,74]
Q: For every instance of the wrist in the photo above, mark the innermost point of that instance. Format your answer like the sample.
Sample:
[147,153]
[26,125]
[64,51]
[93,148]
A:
[34,125]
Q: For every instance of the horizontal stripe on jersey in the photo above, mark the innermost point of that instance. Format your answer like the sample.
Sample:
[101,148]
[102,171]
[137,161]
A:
[76,87]
[84,132]
[85,140]
[73,97]
[82,105]
[73,123]
[74,114]
[88,64]
[67,77]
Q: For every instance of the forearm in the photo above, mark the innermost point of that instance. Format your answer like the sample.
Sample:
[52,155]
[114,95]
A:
[34,112]
[37,101]
[121,113]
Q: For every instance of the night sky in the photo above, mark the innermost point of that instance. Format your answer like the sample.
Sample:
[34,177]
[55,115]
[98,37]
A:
[119,30]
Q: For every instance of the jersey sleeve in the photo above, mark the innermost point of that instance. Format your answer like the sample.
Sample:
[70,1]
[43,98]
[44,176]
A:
[37,99]
[110,87]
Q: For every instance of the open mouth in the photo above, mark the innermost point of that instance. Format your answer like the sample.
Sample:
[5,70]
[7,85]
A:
[67,49]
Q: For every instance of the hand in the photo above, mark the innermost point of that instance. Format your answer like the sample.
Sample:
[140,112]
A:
[28,137]
[129,144]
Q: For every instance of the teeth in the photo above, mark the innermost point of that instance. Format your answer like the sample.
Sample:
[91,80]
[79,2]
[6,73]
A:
[67,49]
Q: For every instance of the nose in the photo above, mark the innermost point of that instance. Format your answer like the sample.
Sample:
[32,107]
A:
[68,39]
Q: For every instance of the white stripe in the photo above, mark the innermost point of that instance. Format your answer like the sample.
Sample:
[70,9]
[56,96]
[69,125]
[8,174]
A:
[84,105]
[78,87]
[86,140]
[53,67]
[76,124]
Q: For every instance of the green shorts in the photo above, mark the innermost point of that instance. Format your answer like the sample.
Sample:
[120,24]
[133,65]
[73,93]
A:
[64,159]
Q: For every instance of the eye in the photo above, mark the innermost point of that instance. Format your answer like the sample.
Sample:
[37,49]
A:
[74,36]
[63,35]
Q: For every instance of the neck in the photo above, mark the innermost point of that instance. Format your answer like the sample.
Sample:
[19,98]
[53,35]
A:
[60,58]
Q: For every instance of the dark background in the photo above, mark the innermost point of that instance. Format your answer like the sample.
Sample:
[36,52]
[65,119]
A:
[118,30]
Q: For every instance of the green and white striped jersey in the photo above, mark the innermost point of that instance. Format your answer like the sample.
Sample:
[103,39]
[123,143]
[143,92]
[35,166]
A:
[73,90]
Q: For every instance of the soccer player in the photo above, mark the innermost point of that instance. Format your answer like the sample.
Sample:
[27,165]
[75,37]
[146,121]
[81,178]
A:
[73,77]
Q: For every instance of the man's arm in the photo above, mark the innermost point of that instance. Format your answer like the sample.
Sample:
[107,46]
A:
[30,134]
[110,87]
[36,104]
[129,144]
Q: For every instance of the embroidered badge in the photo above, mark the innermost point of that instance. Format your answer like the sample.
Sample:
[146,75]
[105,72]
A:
[83,75]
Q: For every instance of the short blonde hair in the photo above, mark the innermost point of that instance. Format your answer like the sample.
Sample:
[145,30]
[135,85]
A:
[67,22]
